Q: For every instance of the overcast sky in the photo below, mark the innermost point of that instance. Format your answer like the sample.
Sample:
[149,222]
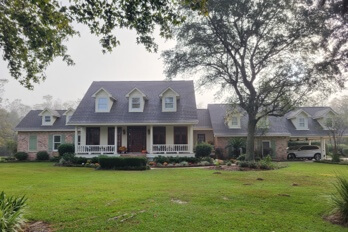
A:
[129,61]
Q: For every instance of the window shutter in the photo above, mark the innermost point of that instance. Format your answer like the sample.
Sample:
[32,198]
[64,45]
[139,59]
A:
[32,143]
[62,138]
[50,142]
[273,146]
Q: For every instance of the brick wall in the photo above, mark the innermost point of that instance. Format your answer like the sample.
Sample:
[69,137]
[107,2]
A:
[280,145]
[42,142]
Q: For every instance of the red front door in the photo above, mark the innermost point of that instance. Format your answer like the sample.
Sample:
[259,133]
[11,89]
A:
[136,138]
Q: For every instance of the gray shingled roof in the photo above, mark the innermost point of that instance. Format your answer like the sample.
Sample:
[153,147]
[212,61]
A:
[204,121]
[278,125]
[218,113]
[186,107]
[33,122]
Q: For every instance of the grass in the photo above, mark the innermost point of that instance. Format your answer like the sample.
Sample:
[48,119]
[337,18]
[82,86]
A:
[82,199]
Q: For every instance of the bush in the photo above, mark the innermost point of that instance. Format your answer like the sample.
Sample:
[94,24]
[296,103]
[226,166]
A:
[219,153]
[66,148]
[42,155]
[345,151]
[203,150]
[335,158]
[21,156]
[122,163]
[11,212]
[171,159]
[243,164]
[69,157]
[241,157]
[340,199]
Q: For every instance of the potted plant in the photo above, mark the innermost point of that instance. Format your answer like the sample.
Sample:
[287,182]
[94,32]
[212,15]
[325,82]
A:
[122,149]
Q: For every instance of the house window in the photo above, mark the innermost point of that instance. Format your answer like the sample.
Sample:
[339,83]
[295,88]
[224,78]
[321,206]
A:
[302,122]
[135,103]
[68,118]
[56,142]
[329,122]
[169,103]
[234,121]
[47,118]
[102,104]
[79,140]
[201,138]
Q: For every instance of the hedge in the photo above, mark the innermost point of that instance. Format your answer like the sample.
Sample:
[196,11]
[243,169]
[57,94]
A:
[171,159]
[203,150]
[66,148]
[21,156]
[42,155]
[122,163]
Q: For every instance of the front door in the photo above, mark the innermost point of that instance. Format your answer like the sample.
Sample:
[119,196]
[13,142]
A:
[136,138]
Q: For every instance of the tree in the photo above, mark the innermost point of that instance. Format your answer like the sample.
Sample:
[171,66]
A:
[336,127]
[33,32]
[263,53]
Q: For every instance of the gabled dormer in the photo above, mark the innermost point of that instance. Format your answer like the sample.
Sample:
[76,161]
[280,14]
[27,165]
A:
[68,115]
[103,101]
[325,118]
[233,119]
[299,119]
[136,100]
[169,98]
[48,117]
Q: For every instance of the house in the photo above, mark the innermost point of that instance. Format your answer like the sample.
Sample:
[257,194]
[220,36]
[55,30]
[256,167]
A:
[44,130]
[161,118]
[307,124]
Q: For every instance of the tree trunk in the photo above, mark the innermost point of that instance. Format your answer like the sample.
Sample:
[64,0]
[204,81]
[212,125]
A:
[251,137]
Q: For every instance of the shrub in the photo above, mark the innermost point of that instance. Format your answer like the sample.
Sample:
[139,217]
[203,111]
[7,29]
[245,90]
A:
[219,153]
[253,164]
[340,199]
[11,212]
[122,163]
[94,159]
[171,159]
[21,156]
[69,157]
[42,155]
[203,150]
[345,151]
[66,148]
[243,164]
[241,157]
[335,158]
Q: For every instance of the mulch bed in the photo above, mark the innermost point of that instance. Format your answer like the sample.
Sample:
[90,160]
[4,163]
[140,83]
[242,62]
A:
[335,219]
[190,166]
[38,226]
[233,168]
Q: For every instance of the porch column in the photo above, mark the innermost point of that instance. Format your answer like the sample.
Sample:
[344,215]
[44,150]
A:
[151,139]
[191,138]
[322,147]
[76,139]
[309,142]
[115,144]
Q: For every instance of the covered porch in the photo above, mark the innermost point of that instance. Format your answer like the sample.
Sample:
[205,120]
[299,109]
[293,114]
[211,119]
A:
[152,140]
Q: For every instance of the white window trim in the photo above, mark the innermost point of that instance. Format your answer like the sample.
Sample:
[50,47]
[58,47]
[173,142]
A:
[60,141]
[141,104]
[164,108]
[229,123]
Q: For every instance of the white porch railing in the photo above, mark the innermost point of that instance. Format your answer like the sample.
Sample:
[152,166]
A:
[95,149]
[170,148]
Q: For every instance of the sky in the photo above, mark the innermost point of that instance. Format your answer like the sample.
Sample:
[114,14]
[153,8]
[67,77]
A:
[129,61]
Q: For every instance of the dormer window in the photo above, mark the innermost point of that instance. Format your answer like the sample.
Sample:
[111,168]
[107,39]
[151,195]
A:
[47,119]
[103,100]
[302,122]
[169,103]
[233,121]
[103,104]
[68,114]
[169,99]
[135,103]
[299,119]
[68,118]
[136,100]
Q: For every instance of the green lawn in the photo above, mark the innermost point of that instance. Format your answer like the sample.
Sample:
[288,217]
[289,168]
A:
[82,199]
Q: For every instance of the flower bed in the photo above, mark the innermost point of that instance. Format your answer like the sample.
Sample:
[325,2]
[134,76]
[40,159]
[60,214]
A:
[176,162]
